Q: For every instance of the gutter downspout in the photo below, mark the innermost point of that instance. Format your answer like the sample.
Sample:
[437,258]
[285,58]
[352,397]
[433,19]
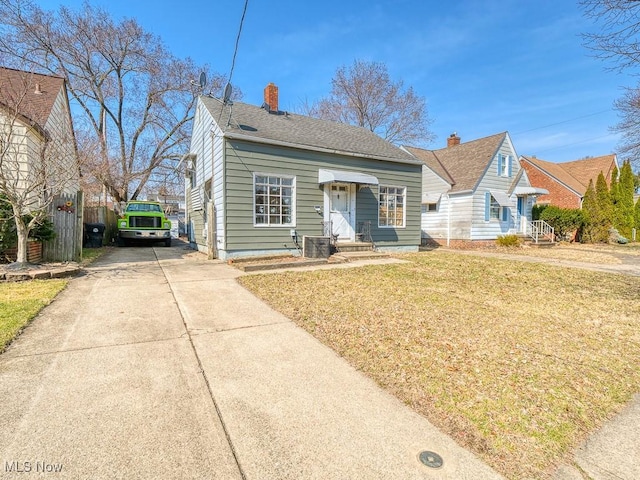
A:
[448,220]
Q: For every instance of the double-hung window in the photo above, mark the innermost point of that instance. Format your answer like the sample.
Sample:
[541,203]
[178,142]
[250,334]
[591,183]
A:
[504,165]
[274,200]
[494,209]
[391,206]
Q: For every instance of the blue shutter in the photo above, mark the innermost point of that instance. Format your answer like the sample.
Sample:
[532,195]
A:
[499,164]
[505,214]
[510,160]
[487,205]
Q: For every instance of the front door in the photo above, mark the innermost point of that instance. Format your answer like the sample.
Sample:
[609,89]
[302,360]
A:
[521,221]
[340,209]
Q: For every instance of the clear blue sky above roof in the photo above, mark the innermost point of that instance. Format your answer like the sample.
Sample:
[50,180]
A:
[484,66]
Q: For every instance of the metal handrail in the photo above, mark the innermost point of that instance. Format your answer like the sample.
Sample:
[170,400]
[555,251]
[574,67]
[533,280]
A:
[540,228]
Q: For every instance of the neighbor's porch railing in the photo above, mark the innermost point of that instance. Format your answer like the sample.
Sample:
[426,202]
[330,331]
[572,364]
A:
[539,230]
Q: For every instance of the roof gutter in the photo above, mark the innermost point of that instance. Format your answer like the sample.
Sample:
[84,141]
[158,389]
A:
[278,143]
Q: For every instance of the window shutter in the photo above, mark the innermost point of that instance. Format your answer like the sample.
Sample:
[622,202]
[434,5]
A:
[505,214]
[487,205]
[509,159]
[499,164]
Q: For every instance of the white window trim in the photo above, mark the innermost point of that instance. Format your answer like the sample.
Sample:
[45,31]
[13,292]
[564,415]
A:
[491,208]
[504,160]
[404,207]
[293,200]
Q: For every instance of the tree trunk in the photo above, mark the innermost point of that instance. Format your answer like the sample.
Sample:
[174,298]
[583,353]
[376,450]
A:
[23,236]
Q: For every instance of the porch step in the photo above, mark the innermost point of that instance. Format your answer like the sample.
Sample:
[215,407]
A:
[540,244]
[344,257]
[342,247]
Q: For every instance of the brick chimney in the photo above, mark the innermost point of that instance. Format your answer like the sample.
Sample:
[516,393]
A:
[453,139]
[271,97]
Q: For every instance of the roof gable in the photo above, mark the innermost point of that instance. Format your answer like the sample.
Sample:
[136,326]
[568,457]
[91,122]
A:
[248,122]
[589,169]
[32,94]
[463,165]
[576,174]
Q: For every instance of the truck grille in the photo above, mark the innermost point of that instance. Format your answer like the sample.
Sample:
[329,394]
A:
[145,222]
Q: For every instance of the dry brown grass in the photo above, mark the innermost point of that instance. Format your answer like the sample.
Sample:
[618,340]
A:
[516,361]
[571,254]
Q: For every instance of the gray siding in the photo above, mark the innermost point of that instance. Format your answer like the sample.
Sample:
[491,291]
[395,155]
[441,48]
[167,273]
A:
[242,159]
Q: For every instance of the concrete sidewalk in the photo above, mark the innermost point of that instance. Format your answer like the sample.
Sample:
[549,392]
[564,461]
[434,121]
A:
[156,364]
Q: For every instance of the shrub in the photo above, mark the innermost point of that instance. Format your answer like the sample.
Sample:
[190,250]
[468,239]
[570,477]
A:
[563,220]
[508,241]
[537,210]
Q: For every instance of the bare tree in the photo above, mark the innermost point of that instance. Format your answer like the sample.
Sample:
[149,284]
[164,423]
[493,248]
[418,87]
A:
[628,107]
[137,99]
[364,95]
[619,26]
[617,42]
[38,159]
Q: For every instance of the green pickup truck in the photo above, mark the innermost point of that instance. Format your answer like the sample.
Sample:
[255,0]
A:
[144,221]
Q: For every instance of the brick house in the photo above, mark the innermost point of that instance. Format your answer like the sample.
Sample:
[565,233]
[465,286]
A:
[567,182]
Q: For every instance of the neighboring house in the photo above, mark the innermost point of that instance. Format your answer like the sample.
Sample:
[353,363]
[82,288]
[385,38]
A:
[173,204]
[567,182]
[42,127]
[175,208]
[473,192]
[274,177]
[39,157]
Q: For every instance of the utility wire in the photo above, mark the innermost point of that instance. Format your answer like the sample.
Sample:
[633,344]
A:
[235,51]
[572,144]
[560,123]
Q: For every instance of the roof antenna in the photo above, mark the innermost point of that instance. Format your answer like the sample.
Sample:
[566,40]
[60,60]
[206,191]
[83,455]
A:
[228,90]
[202,82]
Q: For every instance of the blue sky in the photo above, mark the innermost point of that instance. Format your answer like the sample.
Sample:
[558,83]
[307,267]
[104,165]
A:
[484,66]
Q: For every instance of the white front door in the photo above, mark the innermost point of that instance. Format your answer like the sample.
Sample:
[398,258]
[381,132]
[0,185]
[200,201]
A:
[341,211]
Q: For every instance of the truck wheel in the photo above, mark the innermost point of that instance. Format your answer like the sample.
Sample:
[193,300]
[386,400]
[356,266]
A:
[167,242]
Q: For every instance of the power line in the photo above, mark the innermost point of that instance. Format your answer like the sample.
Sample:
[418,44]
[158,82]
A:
[564,121]
[572,144]
[235,51]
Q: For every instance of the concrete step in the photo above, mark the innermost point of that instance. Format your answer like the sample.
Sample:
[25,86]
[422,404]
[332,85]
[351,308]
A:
[540,244]
[344,257]
[342,247]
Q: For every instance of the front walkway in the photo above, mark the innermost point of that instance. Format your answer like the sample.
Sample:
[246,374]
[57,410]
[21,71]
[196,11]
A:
[156,364]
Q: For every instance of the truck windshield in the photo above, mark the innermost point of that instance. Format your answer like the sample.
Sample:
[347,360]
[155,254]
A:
[143,207]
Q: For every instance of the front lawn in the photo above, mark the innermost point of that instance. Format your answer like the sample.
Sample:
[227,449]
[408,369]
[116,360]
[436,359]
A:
[516,361]
[21,301]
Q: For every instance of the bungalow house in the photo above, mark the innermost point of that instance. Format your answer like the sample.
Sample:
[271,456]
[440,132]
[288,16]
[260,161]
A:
[473,192]
[38,155]
[260,179]
[567,182]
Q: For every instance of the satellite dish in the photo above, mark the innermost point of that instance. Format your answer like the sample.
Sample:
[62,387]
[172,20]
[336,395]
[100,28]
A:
[203,80]
[227,93]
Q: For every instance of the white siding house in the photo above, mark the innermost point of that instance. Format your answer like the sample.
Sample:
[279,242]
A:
[473,192]
[38,157]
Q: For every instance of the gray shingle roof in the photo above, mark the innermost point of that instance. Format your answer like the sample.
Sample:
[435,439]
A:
[253,123]
[461,165]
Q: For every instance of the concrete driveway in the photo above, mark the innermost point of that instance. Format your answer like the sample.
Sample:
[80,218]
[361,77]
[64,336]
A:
[156,364]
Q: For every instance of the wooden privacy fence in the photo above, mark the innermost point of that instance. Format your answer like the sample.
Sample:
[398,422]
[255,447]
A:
[106,216]
[66,215]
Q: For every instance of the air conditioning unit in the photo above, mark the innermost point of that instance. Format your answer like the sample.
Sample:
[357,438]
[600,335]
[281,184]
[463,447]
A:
[316,247]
